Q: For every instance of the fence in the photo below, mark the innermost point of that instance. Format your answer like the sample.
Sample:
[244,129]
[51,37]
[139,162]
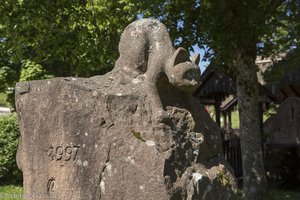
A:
[232,152]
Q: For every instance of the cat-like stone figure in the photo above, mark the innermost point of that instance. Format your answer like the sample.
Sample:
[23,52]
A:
[146,48]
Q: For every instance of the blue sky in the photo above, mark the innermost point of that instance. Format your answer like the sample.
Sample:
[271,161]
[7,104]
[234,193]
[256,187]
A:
[202,63]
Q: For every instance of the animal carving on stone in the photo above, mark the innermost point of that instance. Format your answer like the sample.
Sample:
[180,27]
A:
[146,49]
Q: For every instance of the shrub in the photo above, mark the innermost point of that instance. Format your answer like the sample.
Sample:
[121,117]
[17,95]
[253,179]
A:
[9,134]
[32,71]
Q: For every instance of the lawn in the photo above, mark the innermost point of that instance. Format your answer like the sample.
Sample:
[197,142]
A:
[277,195]
[283,195]
[11,192]
[3,101]
[234,117]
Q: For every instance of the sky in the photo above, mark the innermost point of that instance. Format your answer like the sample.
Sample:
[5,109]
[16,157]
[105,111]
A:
[202,63]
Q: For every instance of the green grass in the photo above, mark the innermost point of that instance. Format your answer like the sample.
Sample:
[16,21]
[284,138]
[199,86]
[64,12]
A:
[235,119]
[3,101]
[11,192]
[277,195]
[235,123]
[283,195]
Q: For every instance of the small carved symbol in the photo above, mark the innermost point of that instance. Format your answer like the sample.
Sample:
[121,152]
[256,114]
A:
[51,185]
[102,121]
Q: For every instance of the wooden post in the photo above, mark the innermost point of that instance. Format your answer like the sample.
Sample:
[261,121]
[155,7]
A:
[261,123]
[217,109]
[225,119]
[229,120]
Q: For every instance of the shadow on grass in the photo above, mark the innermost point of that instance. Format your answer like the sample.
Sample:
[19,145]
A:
[277,195]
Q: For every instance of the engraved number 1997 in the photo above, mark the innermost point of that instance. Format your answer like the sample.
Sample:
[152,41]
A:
[63,153]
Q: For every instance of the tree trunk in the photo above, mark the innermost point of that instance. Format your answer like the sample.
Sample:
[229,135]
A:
[247,93]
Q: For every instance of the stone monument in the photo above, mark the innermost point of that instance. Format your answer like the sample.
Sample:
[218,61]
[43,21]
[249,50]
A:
[133,133]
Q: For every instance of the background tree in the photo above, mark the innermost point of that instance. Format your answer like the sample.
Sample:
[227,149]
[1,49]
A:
[234,32]
[290,28]
[63,38]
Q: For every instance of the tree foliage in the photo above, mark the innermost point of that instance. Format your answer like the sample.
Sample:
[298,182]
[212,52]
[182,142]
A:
[77,37]
[32,71]
[62,37]
[217,26]
[290,28]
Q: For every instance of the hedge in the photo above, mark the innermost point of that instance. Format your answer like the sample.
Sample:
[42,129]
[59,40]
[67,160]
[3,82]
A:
[9,134]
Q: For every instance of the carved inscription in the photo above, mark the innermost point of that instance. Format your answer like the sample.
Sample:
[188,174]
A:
[51,185]
[63,153]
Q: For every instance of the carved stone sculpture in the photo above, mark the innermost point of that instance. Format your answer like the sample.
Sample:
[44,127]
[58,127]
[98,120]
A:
[146,49]
[133,133]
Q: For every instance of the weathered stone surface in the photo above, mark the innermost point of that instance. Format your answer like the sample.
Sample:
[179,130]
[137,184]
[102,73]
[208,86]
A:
[129,134]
